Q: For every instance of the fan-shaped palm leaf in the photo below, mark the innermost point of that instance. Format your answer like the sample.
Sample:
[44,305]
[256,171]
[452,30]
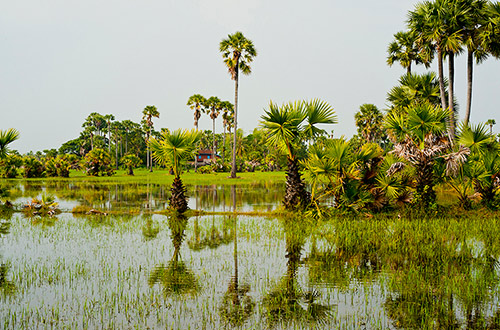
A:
[6,138]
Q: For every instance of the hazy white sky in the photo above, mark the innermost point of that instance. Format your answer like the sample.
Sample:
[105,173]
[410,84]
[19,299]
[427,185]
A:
[63,59]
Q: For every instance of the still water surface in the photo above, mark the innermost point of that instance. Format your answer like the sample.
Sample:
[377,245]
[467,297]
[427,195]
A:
[217,272]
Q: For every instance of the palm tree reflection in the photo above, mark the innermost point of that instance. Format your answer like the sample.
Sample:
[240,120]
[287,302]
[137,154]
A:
[288,302]
[175,277]
[237,305]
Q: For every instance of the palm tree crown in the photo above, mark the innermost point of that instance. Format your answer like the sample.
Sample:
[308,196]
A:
[6,138]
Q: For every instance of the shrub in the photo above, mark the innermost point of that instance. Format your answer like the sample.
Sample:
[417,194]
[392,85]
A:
[33,168]
[98,162]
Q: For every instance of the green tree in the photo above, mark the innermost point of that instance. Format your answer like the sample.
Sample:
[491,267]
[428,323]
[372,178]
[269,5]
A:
[172,150]
[148,113]
[404,49]
[420,141]
[196,102]
[227,123]
[98,162]
[131,161]
[491,122]
[369,122]
[214,104]
[285,127]
[414,89]
[238,52]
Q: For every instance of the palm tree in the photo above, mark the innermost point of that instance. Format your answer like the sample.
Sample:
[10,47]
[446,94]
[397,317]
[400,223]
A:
[148,113]
[6,138]
[420,142]
[318,112]
[438,23]
[414,89]
[491,122]
[196,103]
[238,52]
[108,119]
[369,122]
[228,119]
[214,105]
[404,49]
[286,127]
[475,47]
[172,150]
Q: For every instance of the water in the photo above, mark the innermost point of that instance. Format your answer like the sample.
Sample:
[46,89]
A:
[247,272]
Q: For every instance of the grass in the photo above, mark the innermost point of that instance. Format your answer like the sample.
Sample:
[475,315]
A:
[163,177]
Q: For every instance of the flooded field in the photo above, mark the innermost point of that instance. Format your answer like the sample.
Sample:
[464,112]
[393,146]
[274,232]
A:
[223,272]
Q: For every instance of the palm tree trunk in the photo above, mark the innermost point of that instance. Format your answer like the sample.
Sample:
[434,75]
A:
[470,68]
[441,79]
[296,195]
[116,147]
[224,144]
[233,163]
[451,78]
[150,154]
[178,198]
[408,69]
[196,154]
[213,140]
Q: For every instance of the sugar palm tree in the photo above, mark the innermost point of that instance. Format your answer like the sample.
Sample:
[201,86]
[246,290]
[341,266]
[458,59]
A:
[491,122]
[286,126]
[6,138]
[420,141]
[214,104]
[196,103]
[148,113]
[238,52]
[172,150]
[476,19]
[227,123]
[414,89]
[404,49]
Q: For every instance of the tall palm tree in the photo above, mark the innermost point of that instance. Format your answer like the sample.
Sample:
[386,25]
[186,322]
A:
[6,138]
[238,52]
[404,49]
[476,19]
[109,118]
[148,113]
[196,103]
[213,104]
[287,127]
[172,150]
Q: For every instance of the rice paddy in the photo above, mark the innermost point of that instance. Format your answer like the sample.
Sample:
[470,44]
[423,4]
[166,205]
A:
[138,270]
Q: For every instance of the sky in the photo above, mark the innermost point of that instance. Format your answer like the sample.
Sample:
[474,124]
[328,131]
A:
[60,60]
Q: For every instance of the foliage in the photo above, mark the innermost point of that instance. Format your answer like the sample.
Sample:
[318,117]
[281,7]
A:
[32,168]
[98,162]
[6,138]
[9,166]
[58,166]
[130,161]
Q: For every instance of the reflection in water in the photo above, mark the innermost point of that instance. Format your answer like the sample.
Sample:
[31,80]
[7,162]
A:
[150,229]
[147,196]
[237,305]
[175,278]
[288,301]
[7,287]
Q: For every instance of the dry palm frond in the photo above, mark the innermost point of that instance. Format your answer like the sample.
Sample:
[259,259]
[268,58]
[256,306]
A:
[456,159]
[395,168]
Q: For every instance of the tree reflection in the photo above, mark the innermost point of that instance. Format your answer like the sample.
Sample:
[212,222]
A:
[7,287]
[288,301]
[150,229]
[237,305]
[175,277]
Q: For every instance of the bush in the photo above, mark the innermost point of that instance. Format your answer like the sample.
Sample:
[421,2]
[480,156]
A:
[9,166]
[58,166]
[33,168]
[98,162]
